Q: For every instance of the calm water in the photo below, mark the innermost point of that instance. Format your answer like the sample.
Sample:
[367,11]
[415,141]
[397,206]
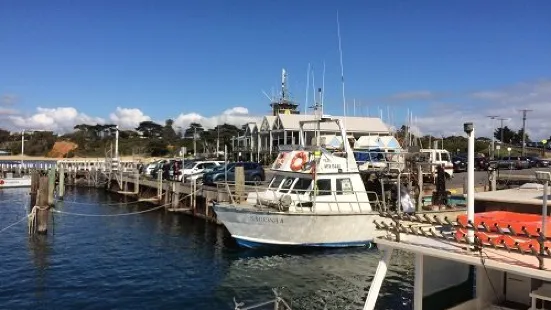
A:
[160,260]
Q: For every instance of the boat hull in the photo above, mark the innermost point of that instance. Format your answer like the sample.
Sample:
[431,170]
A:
[255,228]
[15,182]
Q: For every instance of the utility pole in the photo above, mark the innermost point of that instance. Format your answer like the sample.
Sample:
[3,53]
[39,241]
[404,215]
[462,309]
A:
[493,149]
[22,146]
[194,142]
[501,119]
[524,111]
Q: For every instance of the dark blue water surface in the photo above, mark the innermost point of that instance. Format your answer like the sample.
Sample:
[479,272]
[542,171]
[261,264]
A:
[160,260]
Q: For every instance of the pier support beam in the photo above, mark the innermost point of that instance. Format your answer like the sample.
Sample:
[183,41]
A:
[377,281]
[51,186]
[43,204]
[418,283]
[61,186]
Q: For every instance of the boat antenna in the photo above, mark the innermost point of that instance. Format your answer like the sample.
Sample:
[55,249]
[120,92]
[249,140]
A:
[267,95]
[323,88]
[307,86]
[342,67]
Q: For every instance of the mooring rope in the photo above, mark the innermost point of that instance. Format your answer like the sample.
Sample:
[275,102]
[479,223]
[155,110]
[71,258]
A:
[102,204]
[11,225]
[122,214]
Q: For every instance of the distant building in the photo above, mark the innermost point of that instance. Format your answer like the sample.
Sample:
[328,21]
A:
[262,141]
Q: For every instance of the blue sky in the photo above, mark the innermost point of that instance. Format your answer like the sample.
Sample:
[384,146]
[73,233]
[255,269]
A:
[171,58]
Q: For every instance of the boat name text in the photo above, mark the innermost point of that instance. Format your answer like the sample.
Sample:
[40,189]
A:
[265,219]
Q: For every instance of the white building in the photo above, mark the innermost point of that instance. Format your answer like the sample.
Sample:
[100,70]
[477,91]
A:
[261,141]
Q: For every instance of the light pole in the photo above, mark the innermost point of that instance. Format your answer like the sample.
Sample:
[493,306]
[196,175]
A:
[117,142]
[493,149]
[469,130]
[22,146]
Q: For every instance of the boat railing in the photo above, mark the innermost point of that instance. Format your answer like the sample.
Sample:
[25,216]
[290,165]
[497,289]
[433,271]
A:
[500,236]
[277,303]
[302,200]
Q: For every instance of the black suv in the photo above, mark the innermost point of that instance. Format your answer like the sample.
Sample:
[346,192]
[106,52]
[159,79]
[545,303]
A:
[254,173]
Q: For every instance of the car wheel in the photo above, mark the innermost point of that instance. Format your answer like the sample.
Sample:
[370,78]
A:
[257,180]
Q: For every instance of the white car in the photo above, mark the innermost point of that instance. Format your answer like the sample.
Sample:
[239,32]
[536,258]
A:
[194,170]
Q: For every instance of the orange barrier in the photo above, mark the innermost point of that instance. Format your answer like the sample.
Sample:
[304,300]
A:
[504,219]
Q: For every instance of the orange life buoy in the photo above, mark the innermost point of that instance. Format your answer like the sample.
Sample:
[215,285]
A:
[298,161]
[1,182]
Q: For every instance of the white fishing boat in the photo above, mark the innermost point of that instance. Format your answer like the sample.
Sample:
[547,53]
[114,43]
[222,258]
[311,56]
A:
[316,198]
[10,181]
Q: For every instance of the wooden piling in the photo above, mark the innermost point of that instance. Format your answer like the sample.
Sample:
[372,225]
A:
[239,183]
[35,183]
[420,184]
[43,205]
[61,185]
[51,186]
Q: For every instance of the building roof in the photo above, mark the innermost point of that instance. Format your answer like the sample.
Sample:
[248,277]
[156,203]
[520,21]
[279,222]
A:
[267,122]
[351,123]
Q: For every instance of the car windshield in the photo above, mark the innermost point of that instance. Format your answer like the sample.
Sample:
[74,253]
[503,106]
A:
[189,164]
[223,167]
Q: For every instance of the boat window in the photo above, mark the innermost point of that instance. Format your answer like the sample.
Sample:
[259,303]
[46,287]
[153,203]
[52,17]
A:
[276,181]
[444,156]
[344,187]
[301,185]
[323,187]
[287,184]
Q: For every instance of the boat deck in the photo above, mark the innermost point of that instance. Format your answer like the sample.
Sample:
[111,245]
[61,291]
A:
[522,264]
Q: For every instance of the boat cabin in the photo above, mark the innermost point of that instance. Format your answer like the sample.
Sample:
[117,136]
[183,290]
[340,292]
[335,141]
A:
[315,181]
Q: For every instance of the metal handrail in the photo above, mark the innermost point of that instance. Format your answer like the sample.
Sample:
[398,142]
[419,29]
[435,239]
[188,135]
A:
[297,197]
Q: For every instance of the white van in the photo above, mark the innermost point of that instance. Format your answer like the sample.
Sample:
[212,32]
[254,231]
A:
[439,157]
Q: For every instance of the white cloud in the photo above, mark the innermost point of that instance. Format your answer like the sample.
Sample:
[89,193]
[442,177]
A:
[507,102]
[61,119]
[128,118]
[234,116]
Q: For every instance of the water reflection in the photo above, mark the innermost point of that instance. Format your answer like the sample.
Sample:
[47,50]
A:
[39,249]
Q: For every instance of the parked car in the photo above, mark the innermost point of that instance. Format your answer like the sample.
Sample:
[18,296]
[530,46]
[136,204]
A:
[538,162]
[195,169]
[481,163]
[254,173]
[513,162]
[459,164]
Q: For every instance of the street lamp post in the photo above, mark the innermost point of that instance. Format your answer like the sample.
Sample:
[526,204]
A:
[493,149]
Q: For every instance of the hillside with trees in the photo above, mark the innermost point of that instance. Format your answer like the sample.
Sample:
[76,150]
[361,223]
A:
[148,139]
[153,139]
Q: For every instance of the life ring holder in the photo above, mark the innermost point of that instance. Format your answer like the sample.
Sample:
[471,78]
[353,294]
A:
[295,166]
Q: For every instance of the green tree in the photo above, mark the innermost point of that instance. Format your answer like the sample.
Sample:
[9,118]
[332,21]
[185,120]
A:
[505,132]
[168,131]
[150,129]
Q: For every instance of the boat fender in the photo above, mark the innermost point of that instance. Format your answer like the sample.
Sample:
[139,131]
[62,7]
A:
[298,162]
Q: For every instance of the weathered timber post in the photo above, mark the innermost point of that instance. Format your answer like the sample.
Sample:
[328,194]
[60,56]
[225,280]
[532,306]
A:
[159,186]
[43,205]
[137,183]
[175,197]
[35,183]
[51,186]
[420,184]
[61,185]
[239,183]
